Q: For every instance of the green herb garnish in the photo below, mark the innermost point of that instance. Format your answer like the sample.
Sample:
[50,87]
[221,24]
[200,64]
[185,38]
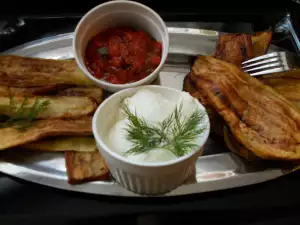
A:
[103,51]
[23,117]
[175,133]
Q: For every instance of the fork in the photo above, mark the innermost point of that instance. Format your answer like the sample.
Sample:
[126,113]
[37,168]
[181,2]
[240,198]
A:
[270,63]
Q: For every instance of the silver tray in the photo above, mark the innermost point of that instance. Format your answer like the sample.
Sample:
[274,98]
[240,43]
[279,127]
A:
[216,169]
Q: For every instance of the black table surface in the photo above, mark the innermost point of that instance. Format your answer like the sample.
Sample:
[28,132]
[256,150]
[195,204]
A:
[272,202]
[276,200]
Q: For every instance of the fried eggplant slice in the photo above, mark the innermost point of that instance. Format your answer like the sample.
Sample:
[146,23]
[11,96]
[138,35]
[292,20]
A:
[188,86]
[85,166]
[261,42]
[291,92]
[237,148]
[19,71]
[92,92]
[6,91]
[35,91]
[12,137]
[234,48]
[62,144]
[59,107]
[259,118]
[286,83]
[288,78]
[216,121]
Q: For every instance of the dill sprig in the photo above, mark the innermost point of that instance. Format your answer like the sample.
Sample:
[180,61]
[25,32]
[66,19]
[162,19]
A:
[23,117]
[175,133]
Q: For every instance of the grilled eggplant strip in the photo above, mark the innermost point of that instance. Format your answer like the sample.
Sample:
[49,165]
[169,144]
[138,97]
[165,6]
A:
[59,107]
[61,144]
[261,42]
[62,90]
[34,91]
[7,91]
[285,83]
[18,71]
[234,48]
[261,119]
[85,166]
[12,137]
[92,92]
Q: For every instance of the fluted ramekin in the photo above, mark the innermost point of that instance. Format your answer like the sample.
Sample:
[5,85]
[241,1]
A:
[140,177]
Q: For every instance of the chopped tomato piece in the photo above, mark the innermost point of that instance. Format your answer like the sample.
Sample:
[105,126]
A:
[122,75]
[98,75]
[158,47]
[98,43]
[112,79]
[116,62]
[155,60]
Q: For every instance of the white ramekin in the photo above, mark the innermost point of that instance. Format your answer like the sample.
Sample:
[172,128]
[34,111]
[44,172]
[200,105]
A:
[142,178]
[119,13]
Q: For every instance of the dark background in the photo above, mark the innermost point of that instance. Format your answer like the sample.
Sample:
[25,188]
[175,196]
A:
[274,202]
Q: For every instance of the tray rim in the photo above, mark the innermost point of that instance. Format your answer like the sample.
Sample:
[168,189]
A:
[187,189]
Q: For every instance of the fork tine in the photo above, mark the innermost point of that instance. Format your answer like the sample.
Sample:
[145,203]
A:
[273,54]
[268,71]
[264,67]
[277,59]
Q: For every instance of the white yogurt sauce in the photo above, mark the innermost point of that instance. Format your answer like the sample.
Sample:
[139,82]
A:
[154,107]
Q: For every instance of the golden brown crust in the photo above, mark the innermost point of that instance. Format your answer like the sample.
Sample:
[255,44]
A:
[85,166]
[285,83]
[18,71]
[261,42]
[234,48]
[237,148]
[261,119]
[33,91]
[12,137]
[65,143]
[216,120]
[93,92]
[65,107]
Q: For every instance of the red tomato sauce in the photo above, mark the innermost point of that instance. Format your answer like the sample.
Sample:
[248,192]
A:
[122,55]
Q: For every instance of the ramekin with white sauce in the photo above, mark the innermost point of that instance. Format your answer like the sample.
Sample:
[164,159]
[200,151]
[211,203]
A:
[144,169]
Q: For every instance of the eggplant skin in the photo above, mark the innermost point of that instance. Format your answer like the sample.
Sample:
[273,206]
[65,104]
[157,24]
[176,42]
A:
[259,117]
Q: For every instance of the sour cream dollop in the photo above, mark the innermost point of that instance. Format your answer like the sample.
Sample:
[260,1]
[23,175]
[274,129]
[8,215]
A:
[154,108]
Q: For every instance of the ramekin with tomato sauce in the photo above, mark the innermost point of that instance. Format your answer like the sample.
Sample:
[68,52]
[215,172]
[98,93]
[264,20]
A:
[121,44]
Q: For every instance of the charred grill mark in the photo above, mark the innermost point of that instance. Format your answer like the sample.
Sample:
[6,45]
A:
[244,52]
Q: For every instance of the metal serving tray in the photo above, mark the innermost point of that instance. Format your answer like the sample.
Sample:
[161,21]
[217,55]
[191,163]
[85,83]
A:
[216,169]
